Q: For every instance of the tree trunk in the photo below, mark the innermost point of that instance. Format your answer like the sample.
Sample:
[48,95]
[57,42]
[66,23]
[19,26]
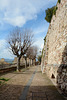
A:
[29,62]
[25,63]
[32,61]
[18,63]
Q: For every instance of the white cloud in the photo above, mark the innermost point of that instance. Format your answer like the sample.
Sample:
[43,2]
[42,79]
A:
[6,54]
[17,21]
[18,12]
[2,44]
[4,51]
[39,43]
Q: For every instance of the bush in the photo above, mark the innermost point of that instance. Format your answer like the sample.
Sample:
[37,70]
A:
[54,11]
[45,39]
[50,12]
[59,1]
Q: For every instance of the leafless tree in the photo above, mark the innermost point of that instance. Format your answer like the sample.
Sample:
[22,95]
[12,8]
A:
[29,54]
[32,53]
[19,42]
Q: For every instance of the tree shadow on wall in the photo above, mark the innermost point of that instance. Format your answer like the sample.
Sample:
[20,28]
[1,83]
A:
[62,73]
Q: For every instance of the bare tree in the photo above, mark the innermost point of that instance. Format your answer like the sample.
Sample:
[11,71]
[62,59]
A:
[25,57]
[35,51]
[19,42]
[32,53]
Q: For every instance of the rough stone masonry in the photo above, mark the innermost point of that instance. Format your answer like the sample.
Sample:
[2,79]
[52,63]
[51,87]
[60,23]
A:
[54,54]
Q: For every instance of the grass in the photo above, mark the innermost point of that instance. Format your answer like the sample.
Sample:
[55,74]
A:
[4,79]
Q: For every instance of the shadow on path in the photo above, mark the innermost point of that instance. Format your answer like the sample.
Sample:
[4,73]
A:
[12,92]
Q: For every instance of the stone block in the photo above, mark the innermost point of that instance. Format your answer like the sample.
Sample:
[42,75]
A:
[63,73]
[64,70]
[63,86]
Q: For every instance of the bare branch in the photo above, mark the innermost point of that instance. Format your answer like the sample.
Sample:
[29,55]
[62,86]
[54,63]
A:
[19,41]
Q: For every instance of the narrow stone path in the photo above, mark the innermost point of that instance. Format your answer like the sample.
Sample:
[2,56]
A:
[26,89]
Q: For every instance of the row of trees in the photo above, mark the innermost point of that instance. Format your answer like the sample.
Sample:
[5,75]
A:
[31,54]
[20,43]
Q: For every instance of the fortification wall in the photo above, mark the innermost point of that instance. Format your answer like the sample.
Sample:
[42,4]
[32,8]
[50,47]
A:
[55,47]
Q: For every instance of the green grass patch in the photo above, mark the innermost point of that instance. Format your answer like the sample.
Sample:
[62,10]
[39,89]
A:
[4,79]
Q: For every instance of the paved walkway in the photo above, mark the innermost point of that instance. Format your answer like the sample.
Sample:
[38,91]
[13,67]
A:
[42,88]
[26,89]
[13,88]
[30,84]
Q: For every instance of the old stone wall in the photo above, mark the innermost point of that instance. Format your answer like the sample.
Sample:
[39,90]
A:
[54,52]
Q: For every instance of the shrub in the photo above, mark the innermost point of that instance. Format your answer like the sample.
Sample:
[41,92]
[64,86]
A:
[45,39]
[59,1]
[54,11]
[50,12]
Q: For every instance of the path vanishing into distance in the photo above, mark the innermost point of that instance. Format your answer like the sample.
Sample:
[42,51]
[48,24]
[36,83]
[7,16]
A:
[28,85]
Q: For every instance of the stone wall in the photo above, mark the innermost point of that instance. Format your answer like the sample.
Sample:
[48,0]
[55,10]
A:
[62,78]
[55,44]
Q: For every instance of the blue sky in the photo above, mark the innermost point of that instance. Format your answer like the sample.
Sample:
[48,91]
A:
[24,14]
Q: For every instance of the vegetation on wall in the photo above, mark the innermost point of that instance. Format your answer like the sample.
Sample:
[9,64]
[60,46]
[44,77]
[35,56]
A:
[45,39]
[54,11]
[42,52]
[50,12]
[39,58]
[59,1]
